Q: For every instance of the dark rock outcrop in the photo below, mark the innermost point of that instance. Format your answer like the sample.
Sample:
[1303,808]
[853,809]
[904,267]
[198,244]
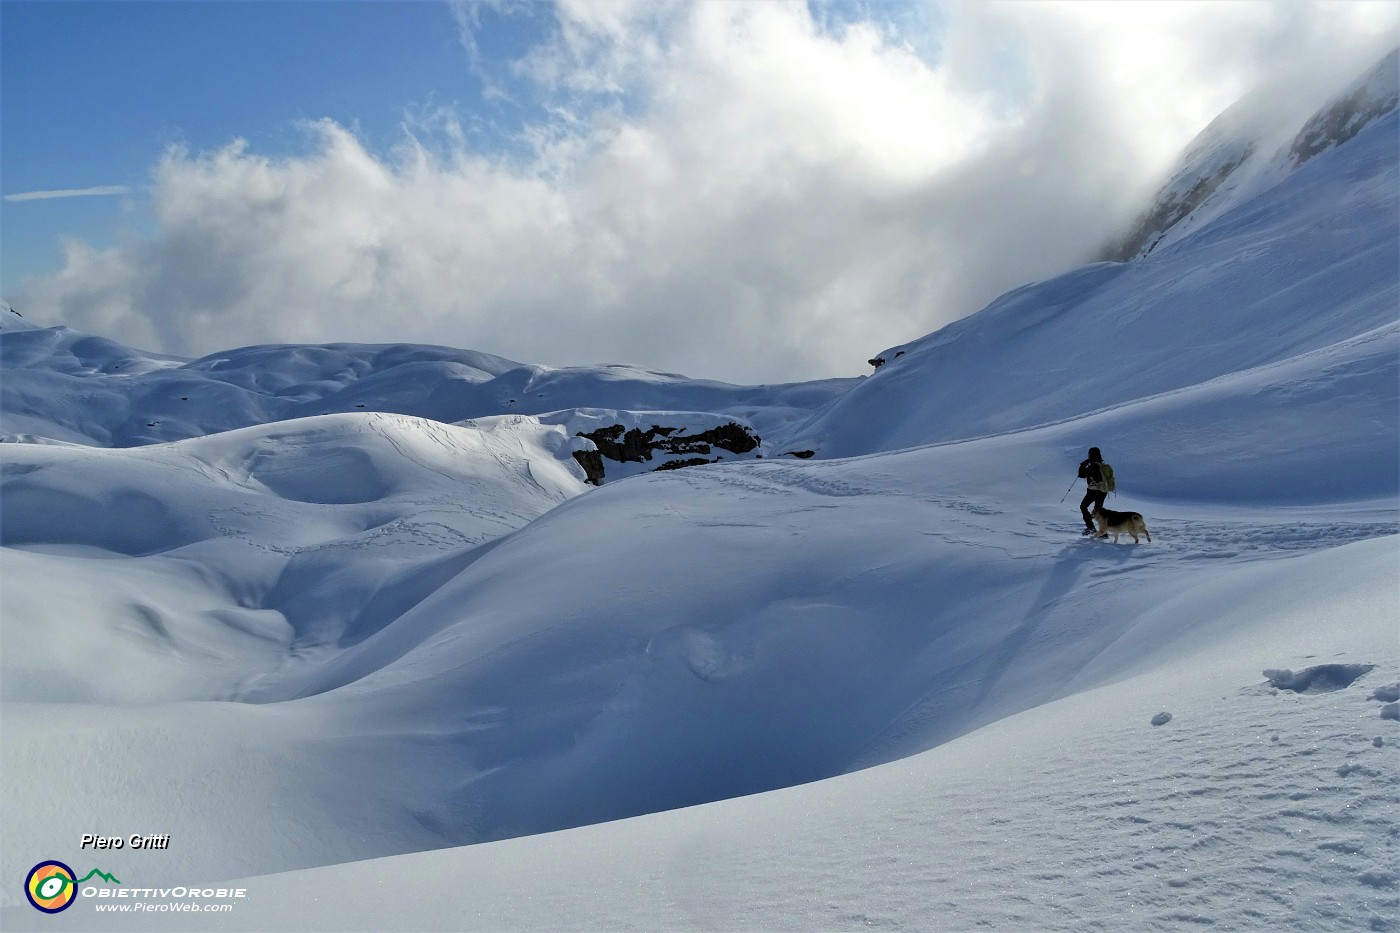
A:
[592,463]
[678,464]
[633,445]
[733,437]
[1172,206]
[1346,117]
[630,447]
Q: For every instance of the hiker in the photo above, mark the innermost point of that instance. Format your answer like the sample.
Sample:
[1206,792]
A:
[1100,482]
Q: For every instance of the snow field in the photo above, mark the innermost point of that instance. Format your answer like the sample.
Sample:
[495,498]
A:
[1251,808]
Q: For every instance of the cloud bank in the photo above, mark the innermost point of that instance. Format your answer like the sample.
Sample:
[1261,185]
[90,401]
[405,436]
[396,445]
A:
[754,192]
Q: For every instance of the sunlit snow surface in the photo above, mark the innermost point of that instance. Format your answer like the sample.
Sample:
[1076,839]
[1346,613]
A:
[322,638]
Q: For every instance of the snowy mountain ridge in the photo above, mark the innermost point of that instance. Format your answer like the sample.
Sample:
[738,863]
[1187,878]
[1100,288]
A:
[126,397]
[1249,147]
[1323,237]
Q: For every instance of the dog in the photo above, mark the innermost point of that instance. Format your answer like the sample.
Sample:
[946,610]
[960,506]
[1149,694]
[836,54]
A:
[1114,523]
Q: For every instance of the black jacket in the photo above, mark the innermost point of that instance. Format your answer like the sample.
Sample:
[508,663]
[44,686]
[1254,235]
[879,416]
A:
[1092,470]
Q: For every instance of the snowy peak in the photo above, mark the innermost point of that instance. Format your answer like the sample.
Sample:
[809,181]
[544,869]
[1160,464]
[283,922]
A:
[1250,146]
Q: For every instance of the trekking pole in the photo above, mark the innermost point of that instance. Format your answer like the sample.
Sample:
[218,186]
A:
[1071,486]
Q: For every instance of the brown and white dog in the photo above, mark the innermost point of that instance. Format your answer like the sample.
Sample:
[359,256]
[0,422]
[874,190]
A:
[1114,523]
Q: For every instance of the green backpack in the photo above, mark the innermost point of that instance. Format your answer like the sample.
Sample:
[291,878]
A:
[1107,472]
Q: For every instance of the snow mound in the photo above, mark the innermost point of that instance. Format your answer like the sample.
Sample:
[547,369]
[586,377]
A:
[215,560]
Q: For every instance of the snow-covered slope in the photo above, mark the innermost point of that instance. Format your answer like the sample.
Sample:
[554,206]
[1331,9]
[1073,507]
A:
[1249,147]
[1250,808]
[1307,264]
[314,639]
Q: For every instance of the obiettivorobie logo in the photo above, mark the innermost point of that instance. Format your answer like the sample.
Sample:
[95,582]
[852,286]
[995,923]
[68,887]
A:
[52,886]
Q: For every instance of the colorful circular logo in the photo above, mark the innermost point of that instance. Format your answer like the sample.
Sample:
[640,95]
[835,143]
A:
[51,886]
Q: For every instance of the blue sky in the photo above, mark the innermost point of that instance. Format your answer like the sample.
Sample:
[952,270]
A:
[741,190]
[91,93]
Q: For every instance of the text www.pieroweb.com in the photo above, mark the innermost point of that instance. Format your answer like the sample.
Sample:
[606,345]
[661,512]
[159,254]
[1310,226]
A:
[165,900]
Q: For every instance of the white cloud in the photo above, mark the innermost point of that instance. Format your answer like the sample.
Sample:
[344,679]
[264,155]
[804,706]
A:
[728,190]
[68,193]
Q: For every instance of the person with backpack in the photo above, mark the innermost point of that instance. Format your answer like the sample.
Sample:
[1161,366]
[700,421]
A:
[1099,476]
